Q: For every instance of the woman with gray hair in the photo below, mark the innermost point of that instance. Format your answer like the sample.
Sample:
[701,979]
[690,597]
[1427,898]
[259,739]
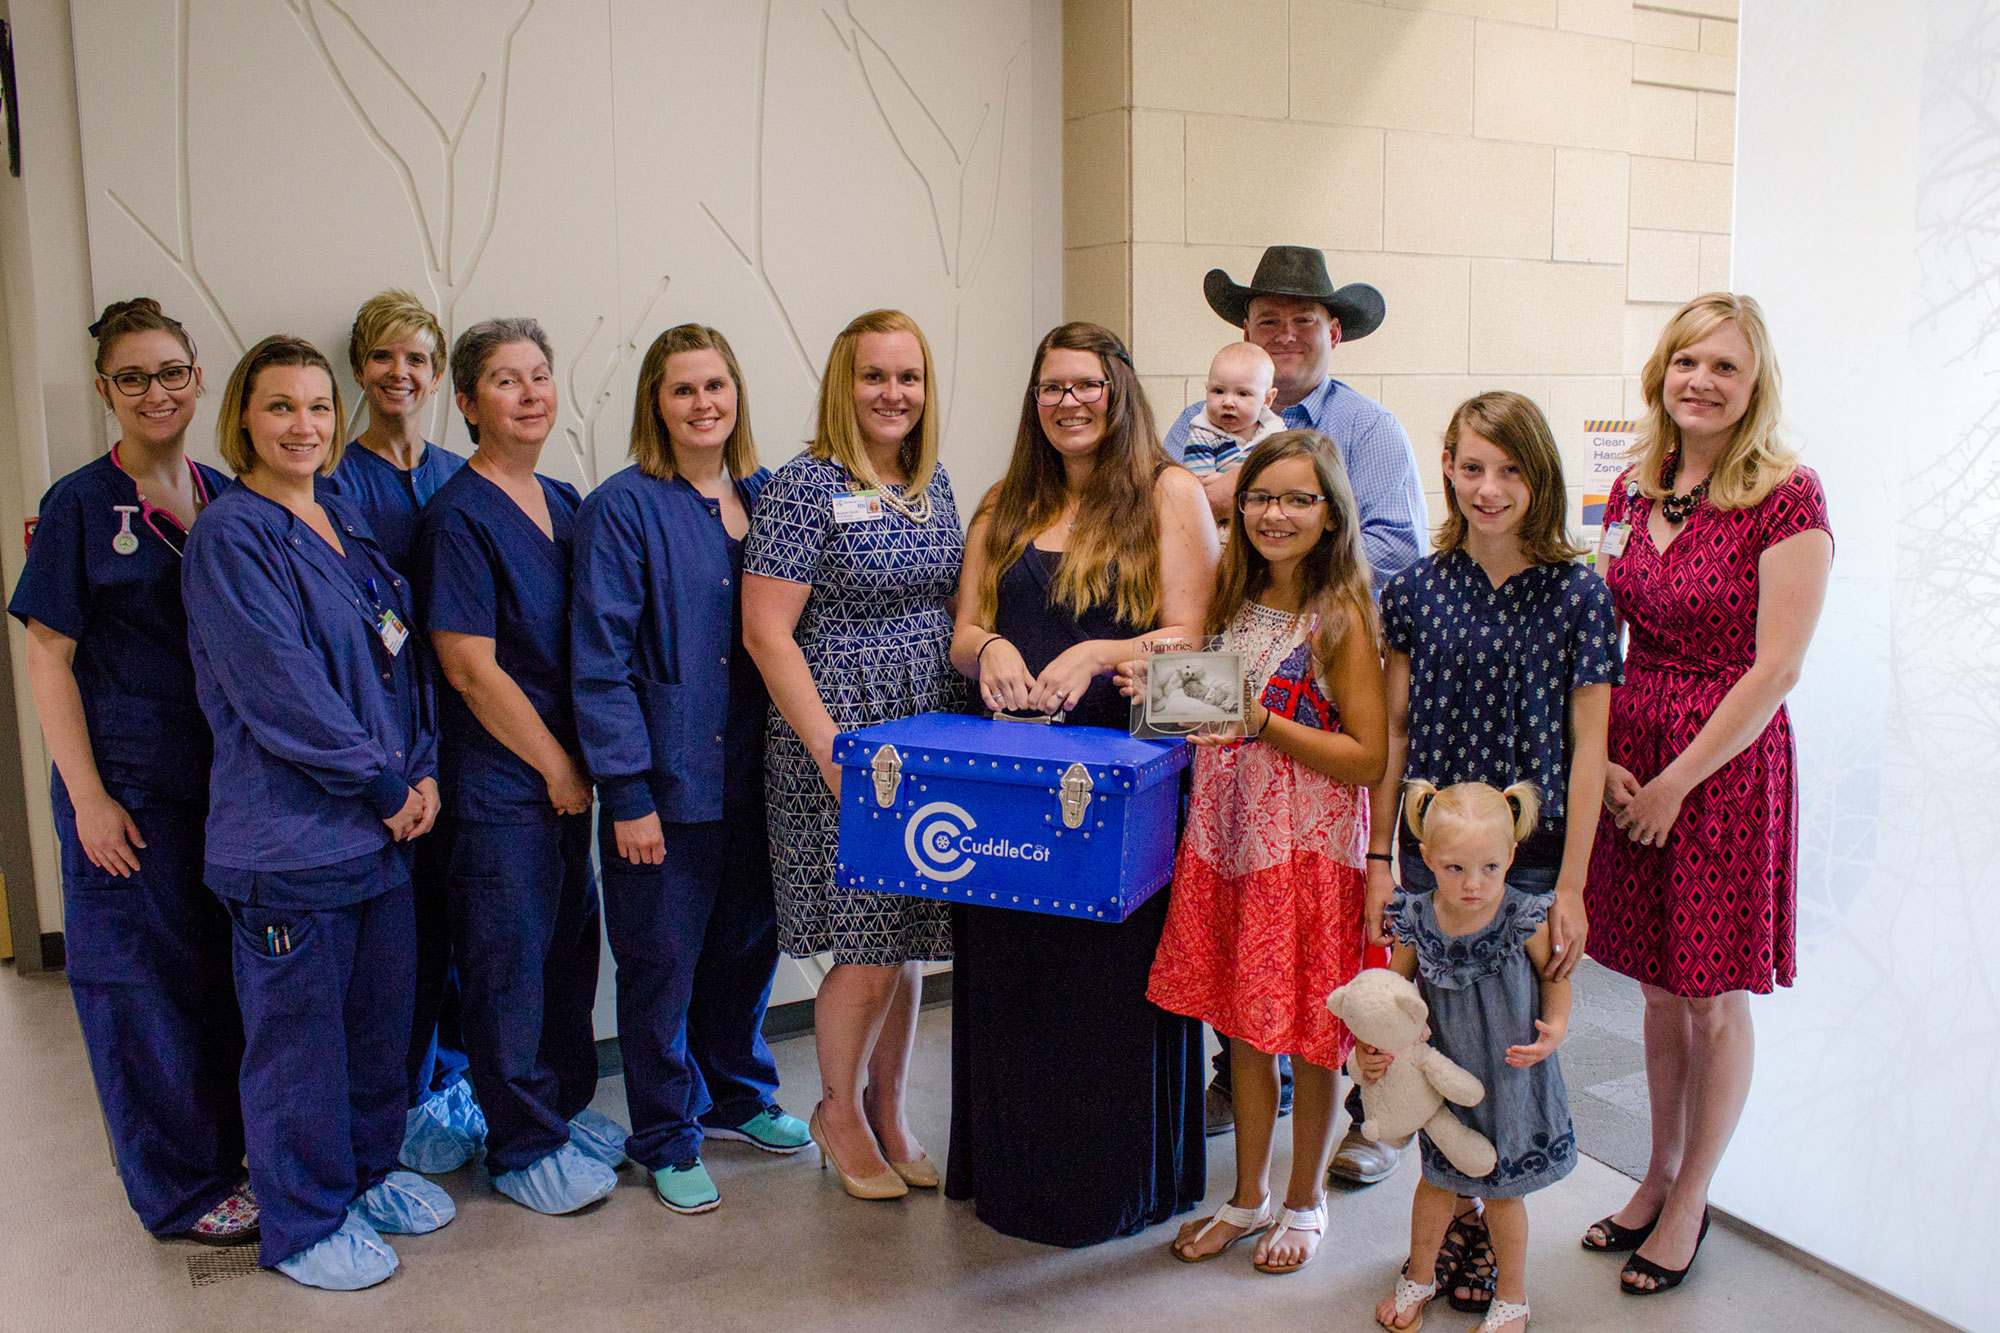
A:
[493,565]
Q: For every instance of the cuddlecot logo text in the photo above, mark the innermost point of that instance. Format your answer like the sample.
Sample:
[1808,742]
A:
[939,843]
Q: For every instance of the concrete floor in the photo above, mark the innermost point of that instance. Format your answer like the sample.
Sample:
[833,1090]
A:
[787,1249]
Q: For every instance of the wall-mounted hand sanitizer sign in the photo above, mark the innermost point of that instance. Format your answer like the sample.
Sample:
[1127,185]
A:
[1609,443]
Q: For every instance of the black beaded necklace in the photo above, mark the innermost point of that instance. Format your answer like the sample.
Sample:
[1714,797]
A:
[1676,508]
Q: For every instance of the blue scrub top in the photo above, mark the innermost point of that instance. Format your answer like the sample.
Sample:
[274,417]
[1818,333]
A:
[390,499]
[660,668]
[319,731]
[147,733]
[486,569]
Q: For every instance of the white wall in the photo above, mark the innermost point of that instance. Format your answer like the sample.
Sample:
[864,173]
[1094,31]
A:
[611,167]
[1867,146]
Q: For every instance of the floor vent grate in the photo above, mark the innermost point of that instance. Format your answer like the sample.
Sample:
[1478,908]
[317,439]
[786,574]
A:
[222,1264]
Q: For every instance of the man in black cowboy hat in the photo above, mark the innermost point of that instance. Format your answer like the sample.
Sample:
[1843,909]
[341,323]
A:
[1292,310]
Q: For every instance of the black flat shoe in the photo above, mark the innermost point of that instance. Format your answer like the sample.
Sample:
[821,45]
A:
[1617,1239]
[1664,1279]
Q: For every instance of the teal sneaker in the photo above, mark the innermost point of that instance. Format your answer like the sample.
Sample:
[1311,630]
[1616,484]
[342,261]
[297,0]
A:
[770,1129]
[686,1188]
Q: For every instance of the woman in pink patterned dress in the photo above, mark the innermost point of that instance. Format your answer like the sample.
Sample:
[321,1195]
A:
[1266,911]
[1718,551]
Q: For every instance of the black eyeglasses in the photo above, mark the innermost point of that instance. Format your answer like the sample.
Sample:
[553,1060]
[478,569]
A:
[1293,504]
[134,383]
[1049,394]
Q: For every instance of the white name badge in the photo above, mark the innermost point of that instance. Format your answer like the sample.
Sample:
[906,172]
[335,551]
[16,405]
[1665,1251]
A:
[1612,544]
[860,507]
[390,626]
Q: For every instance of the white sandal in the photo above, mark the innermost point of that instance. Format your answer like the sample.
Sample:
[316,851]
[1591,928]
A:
[1409,1296]
[1252,1221]
[1502,1313]
[1312,1219]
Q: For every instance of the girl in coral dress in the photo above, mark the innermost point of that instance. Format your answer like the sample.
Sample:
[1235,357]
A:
[1266,915]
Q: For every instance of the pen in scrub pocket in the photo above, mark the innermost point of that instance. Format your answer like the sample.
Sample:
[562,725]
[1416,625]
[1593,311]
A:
[271,940]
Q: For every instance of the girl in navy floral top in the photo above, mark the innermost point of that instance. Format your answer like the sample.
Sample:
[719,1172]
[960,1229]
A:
[1501,656]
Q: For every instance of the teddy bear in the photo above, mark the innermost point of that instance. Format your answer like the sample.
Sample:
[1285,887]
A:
[1383,1009]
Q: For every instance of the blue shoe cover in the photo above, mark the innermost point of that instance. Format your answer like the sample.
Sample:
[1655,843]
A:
[404,1205]
[600,1136]
[564,1181]
[350,1259]
[463,1113]
[432,1144]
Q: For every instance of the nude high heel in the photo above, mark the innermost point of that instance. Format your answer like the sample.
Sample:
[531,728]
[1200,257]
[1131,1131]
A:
[921,1174]
[881,1185]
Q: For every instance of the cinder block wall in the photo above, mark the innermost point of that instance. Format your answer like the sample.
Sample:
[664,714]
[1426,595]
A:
[1533,184]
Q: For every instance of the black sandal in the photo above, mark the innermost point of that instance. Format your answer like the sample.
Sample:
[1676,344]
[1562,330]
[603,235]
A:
[1664,1279]
[1468,1253]
[1617,1239]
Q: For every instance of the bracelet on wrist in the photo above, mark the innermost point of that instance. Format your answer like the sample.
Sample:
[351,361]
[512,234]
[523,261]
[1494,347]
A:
[1384,857]
[980,656]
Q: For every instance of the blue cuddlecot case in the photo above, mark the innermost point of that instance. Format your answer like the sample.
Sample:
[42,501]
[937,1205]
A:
[1074,821]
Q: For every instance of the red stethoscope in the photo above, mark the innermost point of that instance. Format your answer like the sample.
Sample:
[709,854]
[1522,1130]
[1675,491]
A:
[126,541]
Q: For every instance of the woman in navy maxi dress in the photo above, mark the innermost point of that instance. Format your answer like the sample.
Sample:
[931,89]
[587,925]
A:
[1076,1102]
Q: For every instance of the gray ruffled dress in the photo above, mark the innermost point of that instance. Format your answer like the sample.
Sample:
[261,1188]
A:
[1485,996]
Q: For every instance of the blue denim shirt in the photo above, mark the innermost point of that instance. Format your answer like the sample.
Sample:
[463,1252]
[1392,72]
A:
[319,731]
[652,636]
[1381,467]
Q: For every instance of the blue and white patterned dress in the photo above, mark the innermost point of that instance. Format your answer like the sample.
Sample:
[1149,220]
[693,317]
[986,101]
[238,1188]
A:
[1485,996]
[877,637]
[1491,673]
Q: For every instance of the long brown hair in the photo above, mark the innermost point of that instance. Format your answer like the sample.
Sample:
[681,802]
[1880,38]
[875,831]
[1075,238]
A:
[1756,461]
[1516,427]
[838,435]
[1333,575]
[1114,550]
[651,448]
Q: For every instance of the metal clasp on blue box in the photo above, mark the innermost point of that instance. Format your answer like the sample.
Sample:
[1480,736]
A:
[1074,821]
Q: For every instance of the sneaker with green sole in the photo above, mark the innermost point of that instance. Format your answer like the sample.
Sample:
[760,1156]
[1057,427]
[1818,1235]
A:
[686,1188]
[770,1129]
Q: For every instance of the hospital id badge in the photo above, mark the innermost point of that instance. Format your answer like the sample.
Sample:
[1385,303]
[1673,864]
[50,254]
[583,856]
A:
[392,629]
[860,507]
[1612,544]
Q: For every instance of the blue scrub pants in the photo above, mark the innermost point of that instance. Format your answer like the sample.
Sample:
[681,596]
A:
[524,933]
[324,1089]
[696,943]
[148,963]
[437,1045]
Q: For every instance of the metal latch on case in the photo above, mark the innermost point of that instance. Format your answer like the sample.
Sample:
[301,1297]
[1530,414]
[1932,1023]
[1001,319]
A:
[887,767]
[1075,795]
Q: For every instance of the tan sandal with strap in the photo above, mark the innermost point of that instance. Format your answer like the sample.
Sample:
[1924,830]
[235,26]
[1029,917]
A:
[1410,1296]
[1311,1220]
[1251,1221]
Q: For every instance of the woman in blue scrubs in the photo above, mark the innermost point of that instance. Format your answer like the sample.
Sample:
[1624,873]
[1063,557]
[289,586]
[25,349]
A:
[325,755]
[389,472]
[148,946]
[494,565]
[671,711]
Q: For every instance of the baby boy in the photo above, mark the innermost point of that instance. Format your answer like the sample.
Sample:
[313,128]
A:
[1236,415]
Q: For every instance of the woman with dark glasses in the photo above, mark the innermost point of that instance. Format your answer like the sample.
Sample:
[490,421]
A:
[147,944]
